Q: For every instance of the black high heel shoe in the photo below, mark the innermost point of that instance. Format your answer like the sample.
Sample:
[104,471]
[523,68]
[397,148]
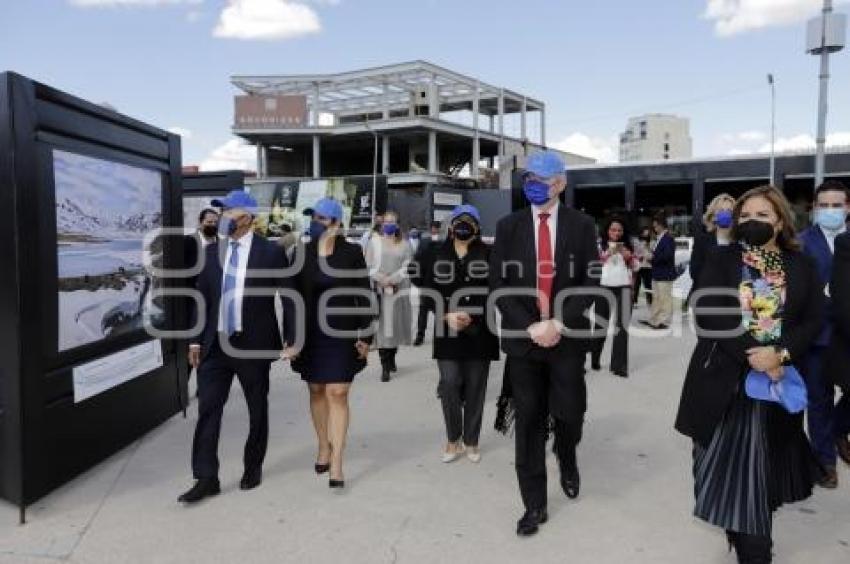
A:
[336,484]
[322,468]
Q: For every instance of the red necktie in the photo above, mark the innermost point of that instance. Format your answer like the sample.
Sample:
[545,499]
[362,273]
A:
[545,266]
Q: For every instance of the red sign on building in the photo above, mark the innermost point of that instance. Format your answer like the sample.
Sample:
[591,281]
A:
[272,112]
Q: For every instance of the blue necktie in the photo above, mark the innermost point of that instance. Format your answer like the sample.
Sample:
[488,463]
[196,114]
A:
[229,287]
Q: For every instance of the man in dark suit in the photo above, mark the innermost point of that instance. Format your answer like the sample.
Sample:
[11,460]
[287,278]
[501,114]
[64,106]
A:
[193,247]
[663,275]
[838,357]
[831,206]
[542,254]
[241,277]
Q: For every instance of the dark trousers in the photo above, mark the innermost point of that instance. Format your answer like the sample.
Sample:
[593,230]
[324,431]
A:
[623,315]
[215,377]
[751,549]
[422,317]
[387,357]
[544,384]
[462,389]
[643,277]
[827,420]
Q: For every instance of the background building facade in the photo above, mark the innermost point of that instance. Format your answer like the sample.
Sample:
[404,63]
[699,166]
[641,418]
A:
[656,137]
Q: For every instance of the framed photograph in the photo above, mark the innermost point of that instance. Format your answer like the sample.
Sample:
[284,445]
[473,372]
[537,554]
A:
[104,210]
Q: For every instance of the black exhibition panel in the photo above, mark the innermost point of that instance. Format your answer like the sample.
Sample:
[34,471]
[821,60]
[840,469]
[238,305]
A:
[82,190]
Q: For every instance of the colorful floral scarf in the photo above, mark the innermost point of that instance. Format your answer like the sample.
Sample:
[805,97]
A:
[762,293]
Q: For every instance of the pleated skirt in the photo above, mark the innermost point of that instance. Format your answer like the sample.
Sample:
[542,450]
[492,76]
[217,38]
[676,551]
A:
[749,470]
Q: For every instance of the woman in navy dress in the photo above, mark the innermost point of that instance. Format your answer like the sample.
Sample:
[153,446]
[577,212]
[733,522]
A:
[334,353]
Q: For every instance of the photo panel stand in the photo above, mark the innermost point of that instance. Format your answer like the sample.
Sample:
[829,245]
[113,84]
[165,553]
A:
[82,187]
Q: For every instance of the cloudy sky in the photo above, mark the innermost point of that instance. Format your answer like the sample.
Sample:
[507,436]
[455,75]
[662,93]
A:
[594,63]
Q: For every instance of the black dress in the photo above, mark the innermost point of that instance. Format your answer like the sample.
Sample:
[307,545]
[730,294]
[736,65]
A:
[327,359]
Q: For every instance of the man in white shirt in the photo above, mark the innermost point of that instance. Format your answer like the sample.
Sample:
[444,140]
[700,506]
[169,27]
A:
[241,337]
[541,253]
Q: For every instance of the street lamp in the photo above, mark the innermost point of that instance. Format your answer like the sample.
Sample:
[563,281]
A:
[772,85]
[826,34]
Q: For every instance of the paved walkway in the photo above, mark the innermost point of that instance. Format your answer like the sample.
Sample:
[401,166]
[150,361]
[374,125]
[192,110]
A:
[401,504]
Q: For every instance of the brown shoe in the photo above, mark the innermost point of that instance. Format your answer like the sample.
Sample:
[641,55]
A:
[843,447]
[830,478]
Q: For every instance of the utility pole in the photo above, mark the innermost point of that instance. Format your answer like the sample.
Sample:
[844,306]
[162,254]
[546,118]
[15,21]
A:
[826,34]
[772,84]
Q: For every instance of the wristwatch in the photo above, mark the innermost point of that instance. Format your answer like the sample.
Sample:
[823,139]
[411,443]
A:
[784,355]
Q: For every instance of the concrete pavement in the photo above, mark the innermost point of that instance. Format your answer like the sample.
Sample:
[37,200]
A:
[401,504]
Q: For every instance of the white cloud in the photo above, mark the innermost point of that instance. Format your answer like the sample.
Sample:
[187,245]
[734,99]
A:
[235,154]
[112,3]
[181,131]
[602,149]
[731,17]
[266,20]
[749,142]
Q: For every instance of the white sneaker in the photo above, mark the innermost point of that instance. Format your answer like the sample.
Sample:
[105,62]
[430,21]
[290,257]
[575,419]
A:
[474,454]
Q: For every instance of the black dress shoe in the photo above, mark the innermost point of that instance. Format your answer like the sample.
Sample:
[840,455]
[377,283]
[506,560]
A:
[570,481]
[336,484]
[251,479]
[385,375]
[419,340]
[842,445]
[205,487]
[531,521]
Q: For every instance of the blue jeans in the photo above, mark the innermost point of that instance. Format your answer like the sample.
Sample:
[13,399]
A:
[827,420]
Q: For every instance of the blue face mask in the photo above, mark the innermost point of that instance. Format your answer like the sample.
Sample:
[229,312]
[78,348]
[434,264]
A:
[226,227]
[831,219]
[390,229]
[316,230]
[536,192]
[723,219]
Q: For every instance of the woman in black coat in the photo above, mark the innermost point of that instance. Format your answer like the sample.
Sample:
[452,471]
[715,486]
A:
[464,346]
[750,456]
[717,225]
[332,355]
[837,358]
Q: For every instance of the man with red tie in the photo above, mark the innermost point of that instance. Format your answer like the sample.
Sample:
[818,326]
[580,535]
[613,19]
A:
[542,282]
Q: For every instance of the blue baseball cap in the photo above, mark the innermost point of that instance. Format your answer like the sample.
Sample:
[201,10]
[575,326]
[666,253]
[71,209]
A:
[545,164]
[790,392]
[465,209]
[237,199]
[328,207]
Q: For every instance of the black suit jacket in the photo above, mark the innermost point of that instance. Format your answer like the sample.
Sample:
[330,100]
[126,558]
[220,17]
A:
[837,362]
[513,265]
[719,364]
[260,328]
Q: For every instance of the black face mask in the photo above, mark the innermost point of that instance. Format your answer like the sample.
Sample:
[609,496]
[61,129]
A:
[463,231]
[755,233]
[209,231]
